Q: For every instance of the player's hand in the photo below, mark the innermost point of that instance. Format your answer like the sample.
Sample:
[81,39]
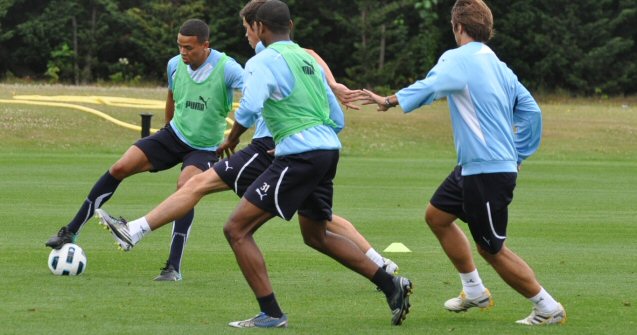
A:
[373,98]
[227,148]
[346,96]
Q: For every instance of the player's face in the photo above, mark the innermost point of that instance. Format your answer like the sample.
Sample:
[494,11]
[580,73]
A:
[192,52]
[251,34]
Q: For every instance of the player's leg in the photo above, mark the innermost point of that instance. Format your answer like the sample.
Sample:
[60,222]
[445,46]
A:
[180,234]
[176,206]
[452,239]
[195,162]
[237,172]
[519,275]
[342,226]
[487,199]
[341,248]
[311,180]
[181,202]
[513,270]
[396,289]
[133,161]
[445,207]
[238,230]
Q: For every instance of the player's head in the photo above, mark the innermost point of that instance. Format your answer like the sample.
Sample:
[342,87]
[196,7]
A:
[474,17]
[193,41]
[249,11]
[249,14]
[275,16]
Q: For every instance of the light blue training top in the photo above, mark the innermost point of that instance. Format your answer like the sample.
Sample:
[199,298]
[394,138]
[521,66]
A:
[233,79]
[267,76]
[260,129]
[496,122]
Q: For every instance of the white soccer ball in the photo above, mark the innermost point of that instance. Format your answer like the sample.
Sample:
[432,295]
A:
[70,260]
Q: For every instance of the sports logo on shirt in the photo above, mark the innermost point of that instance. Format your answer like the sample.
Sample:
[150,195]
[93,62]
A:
[308,69]
[200,105]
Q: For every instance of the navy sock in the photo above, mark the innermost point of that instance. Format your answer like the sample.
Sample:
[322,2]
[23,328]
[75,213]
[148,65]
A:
[100,193]
[180,236]
[384,280]
[270,306]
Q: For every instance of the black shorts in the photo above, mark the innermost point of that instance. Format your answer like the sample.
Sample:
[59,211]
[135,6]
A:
[165,150]
[300,182]
[245,166]
[481,201]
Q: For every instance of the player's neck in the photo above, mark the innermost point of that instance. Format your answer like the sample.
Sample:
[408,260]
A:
[275,38]
[194,66]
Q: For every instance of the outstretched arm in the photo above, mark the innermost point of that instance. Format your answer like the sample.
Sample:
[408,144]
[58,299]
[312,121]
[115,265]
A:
[342,92]
[384,103]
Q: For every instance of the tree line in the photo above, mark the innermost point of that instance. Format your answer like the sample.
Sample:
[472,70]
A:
[584,47]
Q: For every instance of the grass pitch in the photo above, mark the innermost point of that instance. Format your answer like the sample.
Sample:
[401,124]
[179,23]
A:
[572,220]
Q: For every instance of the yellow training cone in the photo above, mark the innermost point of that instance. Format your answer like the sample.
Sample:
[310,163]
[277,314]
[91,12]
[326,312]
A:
[397,247]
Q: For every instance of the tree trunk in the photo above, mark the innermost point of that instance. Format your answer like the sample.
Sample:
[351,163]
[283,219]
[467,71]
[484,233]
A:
[363,28]
[91,43]
[76,66]
[381,51]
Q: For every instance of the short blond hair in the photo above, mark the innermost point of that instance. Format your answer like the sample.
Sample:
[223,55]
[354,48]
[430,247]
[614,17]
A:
[475,17]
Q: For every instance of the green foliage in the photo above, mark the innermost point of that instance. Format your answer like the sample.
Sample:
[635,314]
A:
[226,30]
[4,8]
[153,35]
[60,64]
[581,47]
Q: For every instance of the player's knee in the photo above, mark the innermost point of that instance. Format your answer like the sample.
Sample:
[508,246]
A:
[185,180]
[489,250]
[181,183]
[433,219]
[429,219]
[314,242]
[120,170]
[309,241]
[229,232]
[233,232]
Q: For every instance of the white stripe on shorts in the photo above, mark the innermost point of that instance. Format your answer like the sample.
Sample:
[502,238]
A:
[491,223]
[276,192]
[236,181]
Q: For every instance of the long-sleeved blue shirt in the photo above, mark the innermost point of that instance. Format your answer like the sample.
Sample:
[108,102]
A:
[267,76]
[496,122]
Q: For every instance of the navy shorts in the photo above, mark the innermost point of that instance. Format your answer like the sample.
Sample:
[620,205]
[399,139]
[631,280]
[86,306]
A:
[300,182]
[165,150]
[245,166]
[481,201]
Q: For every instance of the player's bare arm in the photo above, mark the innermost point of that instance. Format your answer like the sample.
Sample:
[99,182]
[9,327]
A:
[231,142]
[170,107]
[345,95]
[384,103]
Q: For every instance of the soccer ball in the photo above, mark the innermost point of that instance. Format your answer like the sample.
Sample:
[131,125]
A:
[70,260]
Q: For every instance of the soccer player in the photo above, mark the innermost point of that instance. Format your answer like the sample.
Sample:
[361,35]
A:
[496,125]
[236,172]
[285,85]
[201,81]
